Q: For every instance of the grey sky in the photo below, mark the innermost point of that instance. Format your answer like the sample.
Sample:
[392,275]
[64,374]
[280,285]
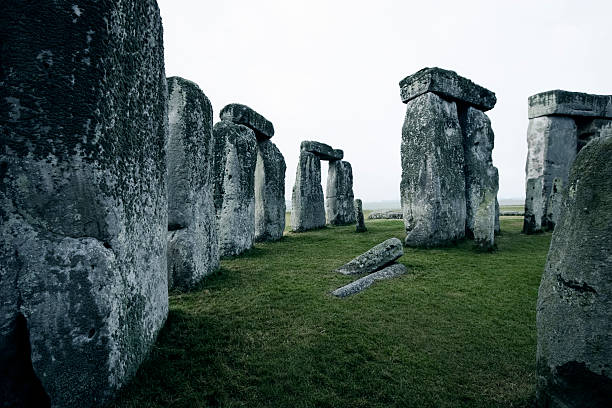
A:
[329,70]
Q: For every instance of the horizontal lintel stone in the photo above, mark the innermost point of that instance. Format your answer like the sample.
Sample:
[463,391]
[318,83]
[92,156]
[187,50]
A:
[322,150]
[559,102]
[243,115]
[448,85]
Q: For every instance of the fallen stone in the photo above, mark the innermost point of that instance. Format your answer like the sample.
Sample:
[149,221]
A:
[386,215]
[558,102]
[83,199]
[481,177]
[375,258]
[552,146]
[432,187]
[307,208]
[235,149]
[448,85]
[269,192]
[323,151]
[243,115]
[360,227]
[193,248]
[339,200]
[361,284]
[574,352]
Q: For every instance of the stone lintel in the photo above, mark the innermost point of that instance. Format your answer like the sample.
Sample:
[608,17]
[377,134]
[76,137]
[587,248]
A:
[565,103]
[448,85]
[322,150]
[243,115]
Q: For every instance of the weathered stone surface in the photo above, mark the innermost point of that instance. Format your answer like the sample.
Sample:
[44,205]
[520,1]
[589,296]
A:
[193,248]
[243,115]
[590,128]
[322,150]
[269,192]
[359,285]
[553,209]
[360,227]
[448,85]
[558,102]
[307,205]
[481,177]
[375,258]
[339,205]
[386,215]
[497,213]
[433,182]
[574,353]
[552,145]
[83,201]
[235,158]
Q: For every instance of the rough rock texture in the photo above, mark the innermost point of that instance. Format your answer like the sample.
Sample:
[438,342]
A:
[449,85]
[243,115]
[553,209]
[497,213]
[386,215]
[193,248]
[574,320]
[552,145]
[269,192]
[360,227]
[481,177]
[323,151]
[359,285]
[235,158]
[566,103]
[307,208]
[83,200]
[433,186]
[589,128]
[339,200]
[375,258]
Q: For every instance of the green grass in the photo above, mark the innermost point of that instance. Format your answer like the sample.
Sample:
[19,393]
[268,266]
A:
[457,331]
[512,207]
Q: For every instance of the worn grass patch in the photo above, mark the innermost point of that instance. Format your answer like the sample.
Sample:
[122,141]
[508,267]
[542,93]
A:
[457,330]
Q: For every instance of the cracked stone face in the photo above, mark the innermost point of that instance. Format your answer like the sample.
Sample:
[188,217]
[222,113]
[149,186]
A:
[574,357]
[432,187]
[83,197]
[193,249]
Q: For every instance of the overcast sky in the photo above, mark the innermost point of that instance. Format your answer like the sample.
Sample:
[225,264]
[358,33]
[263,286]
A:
[329,70]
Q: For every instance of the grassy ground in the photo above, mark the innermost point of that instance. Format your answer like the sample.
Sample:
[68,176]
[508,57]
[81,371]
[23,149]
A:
[457,330]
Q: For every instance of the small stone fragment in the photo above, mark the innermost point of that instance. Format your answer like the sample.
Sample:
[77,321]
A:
[359,217]
[574,349]
[359,285]
[323,151]
[339,205]
[375,258]
[243,115]
[308,208]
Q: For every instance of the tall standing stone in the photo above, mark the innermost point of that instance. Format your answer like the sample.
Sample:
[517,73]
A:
[574,353]
[339,205]
[433,183]
[360,227]
[307,210]
[497,226]
[193,249]
[235,158]
[269,192]
[83,198]
[481,178]
[552,145]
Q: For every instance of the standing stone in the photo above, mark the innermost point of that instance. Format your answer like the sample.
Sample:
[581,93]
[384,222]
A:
[433,184]
[193,249]
[552,145]
[235,158]
[481,178]
[269,192]
[307,210]
[497,226]
[339,206]
[555,199]
[574,353]
[359,217]
[83,198]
